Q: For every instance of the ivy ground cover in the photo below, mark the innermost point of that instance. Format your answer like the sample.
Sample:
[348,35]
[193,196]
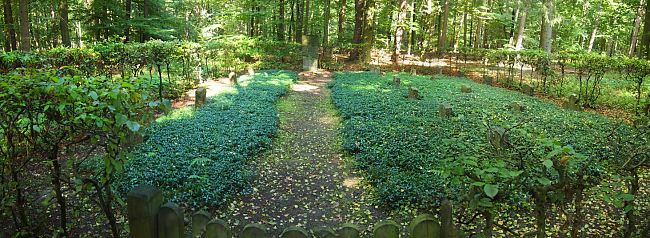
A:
[200,156]
[402,143]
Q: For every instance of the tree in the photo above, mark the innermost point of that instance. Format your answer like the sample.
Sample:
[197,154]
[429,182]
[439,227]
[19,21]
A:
[546,36]
[399,30]
[645,39]
[359,14]
[442,39]
[23,10]
[635,31]
[11,43]
[341,23]
[65,32]
[281,21]
[521,26]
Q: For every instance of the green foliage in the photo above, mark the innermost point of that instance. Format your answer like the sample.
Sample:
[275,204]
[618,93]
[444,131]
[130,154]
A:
[406,140]
[200,156]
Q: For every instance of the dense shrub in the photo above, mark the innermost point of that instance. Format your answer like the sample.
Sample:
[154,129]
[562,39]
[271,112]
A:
[200,155]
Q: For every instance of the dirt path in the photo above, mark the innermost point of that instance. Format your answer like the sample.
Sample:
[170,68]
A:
[303,179]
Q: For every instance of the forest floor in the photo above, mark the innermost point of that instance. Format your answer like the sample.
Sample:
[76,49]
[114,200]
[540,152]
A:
[304,179]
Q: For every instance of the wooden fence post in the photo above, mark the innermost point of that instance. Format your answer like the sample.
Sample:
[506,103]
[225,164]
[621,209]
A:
[424,226]
[255,231]
[171,223]
[199,222]
[294,232]
[386,229]
[217,228]
[349,231]
[143,203]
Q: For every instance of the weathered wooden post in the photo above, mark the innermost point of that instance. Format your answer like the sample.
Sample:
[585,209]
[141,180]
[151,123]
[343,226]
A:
[424,226]
[217,228]
[310,48]
[255,231]
[294,232]
[528,90]
[143,203]
[465,89]
[518,106]
[171,221]
[200,96]
[414,93]
[324,232]
[445,110]
[447,228]
[199,222]
[386,229]
[349,231]
[232,78]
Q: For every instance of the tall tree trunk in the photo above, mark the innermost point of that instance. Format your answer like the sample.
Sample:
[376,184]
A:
[281,21]
[127,29]
[442,38]
[23,10]
[399,31]
[326,29]
[341,30]
[9,24]
[299,16]
[635,31]
[412,32]
[145,15]
[54,39]
[306,19]
[359,13]
[522,27]
[592,39]
[368,32]
[546,38]
[65,31]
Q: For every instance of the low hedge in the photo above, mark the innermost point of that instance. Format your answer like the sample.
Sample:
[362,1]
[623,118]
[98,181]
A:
[199,156]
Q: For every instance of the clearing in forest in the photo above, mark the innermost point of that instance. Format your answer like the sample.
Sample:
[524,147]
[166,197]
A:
[303,179]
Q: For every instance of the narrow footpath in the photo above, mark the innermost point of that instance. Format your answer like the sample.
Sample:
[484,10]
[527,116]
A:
[303,179]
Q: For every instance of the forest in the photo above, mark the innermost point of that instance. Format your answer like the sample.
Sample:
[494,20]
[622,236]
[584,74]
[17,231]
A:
[325,118]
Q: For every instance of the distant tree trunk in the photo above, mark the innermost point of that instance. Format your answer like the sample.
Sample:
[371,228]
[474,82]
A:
[9,24]
[326,29]
[368,32]
[399,31]
[305,25]
[341,30]
[65,31]
[635,31]
[592,38]
[465,27]
[299,16]
[522,27]
[23,10]
[127,29]
[412,32]
[145,15]
[442,39]
[359,13]
[546,38]
[281,22]
[54,28]
[515,13]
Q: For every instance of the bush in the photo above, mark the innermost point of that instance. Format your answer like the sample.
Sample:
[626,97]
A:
[200,155]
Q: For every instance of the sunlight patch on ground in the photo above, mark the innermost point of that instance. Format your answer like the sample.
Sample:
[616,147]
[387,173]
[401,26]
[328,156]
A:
[351,182]
[303,87]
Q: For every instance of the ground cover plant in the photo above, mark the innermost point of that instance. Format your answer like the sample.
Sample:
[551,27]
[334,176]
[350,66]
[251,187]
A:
[199,156]
[498,150]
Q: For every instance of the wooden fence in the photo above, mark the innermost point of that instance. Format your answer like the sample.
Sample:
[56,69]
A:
[150,218]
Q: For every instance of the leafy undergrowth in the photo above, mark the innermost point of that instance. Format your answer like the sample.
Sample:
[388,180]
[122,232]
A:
[198,157]
[391,134]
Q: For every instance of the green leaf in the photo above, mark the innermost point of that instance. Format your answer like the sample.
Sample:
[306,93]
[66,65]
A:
[133,126]
[491,190]
[548,163]
[544,181]
[93,95]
